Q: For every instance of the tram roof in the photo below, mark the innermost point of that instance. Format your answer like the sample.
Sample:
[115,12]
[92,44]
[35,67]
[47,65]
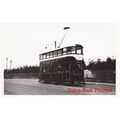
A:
[76,45]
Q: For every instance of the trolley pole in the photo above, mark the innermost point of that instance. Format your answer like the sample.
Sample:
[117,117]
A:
[65,28]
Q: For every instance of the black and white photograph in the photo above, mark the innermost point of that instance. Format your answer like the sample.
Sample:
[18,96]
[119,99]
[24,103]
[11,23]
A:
[59,58]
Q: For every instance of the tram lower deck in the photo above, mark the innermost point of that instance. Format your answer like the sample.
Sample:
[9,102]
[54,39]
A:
[61,70]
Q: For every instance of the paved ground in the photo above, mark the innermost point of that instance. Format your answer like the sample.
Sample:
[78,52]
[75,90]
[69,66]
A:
[33,87]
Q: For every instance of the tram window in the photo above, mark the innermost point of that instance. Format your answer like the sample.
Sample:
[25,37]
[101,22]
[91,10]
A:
[51,54]
[73,50]
[79,51]
[55,53]
[65,51]
[69,50]
[48,55]
[44,56]
[44,70]
[59,52]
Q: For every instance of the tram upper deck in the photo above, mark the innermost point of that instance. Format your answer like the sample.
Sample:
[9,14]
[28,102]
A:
[75,51]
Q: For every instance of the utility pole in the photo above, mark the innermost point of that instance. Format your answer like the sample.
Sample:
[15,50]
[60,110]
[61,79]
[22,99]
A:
[10,68]
[10,65]
[6,63]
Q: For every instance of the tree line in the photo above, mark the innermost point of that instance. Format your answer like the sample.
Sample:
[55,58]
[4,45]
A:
[23,69]
[108,64]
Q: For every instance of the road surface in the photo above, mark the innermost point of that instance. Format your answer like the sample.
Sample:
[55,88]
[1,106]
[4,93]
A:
[33,87]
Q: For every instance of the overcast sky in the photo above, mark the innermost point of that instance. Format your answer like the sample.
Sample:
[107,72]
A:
[24,42]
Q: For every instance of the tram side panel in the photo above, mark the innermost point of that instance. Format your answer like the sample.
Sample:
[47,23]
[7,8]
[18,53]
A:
[60,70]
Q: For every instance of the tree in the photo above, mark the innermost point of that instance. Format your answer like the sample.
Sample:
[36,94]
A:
[109,64]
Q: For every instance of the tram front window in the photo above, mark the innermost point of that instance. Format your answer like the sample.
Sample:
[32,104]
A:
[79,51]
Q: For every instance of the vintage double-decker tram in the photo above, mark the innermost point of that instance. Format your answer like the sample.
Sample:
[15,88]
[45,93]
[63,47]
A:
[62,65]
